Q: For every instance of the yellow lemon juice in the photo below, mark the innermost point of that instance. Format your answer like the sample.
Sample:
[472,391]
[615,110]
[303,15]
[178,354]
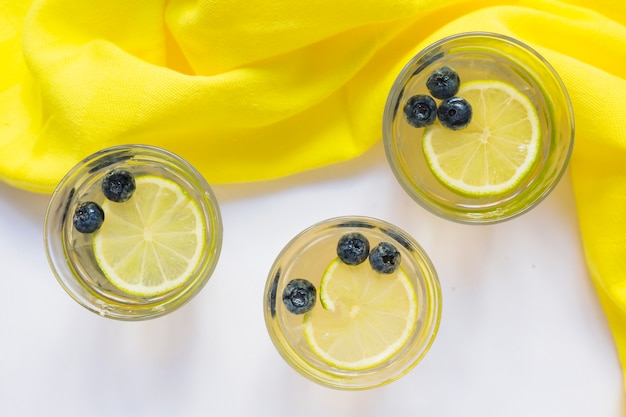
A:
[501,150]
[133,232]
[348,324]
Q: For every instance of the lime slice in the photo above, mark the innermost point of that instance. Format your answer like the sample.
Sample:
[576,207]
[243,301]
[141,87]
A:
[366,317]
[152,243]
[496,151]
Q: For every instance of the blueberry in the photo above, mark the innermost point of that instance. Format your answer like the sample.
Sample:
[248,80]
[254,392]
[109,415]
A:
[353,248]
[118,185]
[443,83]
[454,113]
[299,296]
[420,110]
[88,217]
[385,258]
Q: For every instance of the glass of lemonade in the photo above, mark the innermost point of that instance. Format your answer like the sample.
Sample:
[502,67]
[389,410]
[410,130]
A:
[352,303]
[133,232]
[478,128]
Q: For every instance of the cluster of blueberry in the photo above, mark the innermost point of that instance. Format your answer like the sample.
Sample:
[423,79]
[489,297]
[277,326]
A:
[118,186]
[454,112]
[354,249]
[299,295]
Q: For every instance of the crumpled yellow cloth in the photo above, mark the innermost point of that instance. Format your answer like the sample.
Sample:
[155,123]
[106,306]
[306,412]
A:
[252,90]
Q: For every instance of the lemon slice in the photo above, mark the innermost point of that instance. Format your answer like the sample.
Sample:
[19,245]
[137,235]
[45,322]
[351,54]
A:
[495,152]
[152,243]
[365,319]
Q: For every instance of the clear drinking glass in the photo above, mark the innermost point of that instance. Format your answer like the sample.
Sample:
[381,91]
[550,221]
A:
[480,57]
[355,297]
[71,253]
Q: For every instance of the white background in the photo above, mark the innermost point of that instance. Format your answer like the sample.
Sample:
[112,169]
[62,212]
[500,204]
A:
[522,332]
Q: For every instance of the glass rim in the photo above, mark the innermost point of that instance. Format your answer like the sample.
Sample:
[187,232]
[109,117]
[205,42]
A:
[68,275]
[428,278]
[431,204]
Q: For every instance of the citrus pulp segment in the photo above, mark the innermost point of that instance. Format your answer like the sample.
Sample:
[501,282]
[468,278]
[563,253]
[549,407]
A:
[365,319]
[152,243]
[495,152]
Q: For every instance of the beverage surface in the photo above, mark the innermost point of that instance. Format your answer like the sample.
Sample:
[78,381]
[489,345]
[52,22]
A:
[133,232]
[480,138]
[151,243]
[352,304]
[363,309]
[145,232]
[478,128]
[364,318]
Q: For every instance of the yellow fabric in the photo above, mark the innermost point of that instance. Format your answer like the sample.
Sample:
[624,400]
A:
[256,89]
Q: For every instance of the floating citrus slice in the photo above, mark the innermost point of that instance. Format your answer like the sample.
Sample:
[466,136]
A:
[496,151]
[365,319]
[152,243]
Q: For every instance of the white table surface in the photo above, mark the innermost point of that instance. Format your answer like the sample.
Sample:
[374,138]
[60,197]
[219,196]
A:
[522,331]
